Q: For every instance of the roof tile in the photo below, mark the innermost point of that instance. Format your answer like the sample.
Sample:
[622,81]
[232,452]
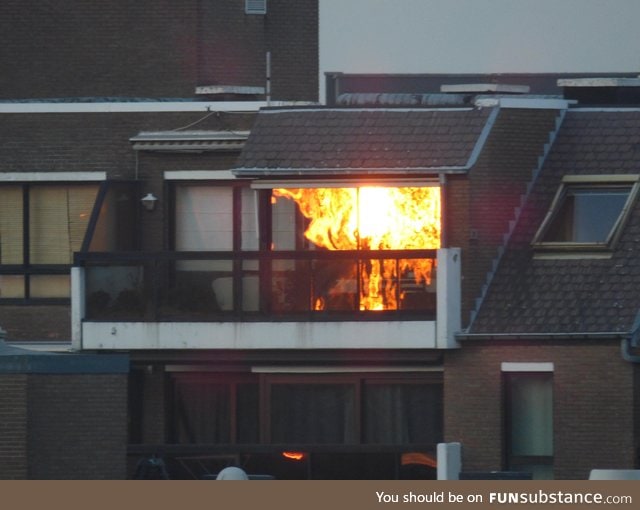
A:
[356,138]
[533,295]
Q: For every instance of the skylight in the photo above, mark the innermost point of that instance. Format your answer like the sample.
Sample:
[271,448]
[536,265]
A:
[587,212]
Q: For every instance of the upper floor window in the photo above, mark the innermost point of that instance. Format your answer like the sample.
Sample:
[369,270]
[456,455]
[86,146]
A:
[587,212]
[41,225]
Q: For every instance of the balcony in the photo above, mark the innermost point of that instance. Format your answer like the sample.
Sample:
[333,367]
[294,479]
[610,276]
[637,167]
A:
[265,300]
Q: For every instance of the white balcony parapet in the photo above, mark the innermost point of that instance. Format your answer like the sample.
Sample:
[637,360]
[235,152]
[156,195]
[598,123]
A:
[273,334]
[448,298]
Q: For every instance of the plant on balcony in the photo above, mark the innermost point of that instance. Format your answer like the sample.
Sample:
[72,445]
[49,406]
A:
[98,303]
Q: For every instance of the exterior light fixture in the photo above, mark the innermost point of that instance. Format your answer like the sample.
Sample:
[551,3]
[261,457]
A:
[149,201]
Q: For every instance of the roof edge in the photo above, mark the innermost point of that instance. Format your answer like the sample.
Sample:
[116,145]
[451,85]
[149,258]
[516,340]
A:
[319,172]
[597,335]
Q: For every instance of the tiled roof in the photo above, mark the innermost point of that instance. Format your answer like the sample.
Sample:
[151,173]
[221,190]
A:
[588,295]
[339,140]
[67,142]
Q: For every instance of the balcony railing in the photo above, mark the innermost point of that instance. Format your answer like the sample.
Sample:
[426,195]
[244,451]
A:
[246,286]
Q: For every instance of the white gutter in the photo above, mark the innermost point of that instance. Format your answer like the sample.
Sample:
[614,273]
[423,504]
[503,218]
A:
[542,336]
[142,106]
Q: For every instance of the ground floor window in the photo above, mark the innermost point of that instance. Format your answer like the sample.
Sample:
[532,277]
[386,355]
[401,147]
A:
[327,408]
[529,422]
[321,425]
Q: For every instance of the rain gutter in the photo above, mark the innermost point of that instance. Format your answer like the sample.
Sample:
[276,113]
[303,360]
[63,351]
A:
[600,335]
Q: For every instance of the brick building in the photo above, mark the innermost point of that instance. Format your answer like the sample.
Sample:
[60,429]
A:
[157,195]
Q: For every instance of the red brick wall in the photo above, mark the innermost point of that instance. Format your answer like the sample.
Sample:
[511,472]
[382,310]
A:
[77,426]
[593,403]
[36,322]
[155,48]
[13,426]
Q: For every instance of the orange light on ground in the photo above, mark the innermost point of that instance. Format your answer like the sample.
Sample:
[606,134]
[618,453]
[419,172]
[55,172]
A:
[373,218]
[297,456]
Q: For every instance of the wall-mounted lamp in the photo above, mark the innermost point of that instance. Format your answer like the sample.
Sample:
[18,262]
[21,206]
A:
[149,201]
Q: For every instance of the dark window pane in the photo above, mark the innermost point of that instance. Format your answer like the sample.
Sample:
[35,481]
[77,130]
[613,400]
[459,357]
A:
[313,413]
[403,413]
[587,215]
[201,411]
[290,281]
[248,415]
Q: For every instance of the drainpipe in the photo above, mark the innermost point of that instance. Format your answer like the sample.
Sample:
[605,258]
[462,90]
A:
[631,342]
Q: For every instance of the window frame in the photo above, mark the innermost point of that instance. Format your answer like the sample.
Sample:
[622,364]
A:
[26,268]
[359,381]
[596,182]
[264,252]
[540,371]
[265,382]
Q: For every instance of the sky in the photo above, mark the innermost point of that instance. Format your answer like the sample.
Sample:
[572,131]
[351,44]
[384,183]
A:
[479,36]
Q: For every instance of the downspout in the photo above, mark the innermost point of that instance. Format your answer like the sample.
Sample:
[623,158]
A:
[632,341]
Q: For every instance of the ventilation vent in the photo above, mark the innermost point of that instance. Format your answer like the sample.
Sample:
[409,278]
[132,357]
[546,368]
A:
[255,6]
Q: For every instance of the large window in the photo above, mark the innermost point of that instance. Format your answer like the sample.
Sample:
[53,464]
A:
[303,409]
[362,219]
[292,251]
[587,212]
[41,226]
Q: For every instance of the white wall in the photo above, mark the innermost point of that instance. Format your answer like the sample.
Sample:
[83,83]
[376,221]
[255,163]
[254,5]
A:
[478,36]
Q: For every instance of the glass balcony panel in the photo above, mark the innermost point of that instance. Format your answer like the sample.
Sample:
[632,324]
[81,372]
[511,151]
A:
[335,285]
[309,285]
[202,291]
[417,284]
[115,292]
[290,280]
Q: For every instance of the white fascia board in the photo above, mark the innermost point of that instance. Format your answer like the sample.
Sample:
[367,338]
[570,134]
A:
[524,103]
[527,366]
[346,110]
[480,88]
[346,183]
[285,369]
[599,82]
[144,106]
[52,176]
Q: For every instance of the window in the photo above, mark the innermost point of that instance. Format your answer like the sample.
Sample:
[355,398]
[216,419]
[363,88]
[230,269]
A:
[312,251]
[216,218]
[255,6]
[41,226]
[212,409]
[302,409]
[308,425]
[529,422]
[587,212]
[357,219]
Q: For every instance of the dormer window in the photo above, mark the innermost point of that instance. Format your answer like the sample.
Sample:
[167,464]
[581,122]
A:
[587,212]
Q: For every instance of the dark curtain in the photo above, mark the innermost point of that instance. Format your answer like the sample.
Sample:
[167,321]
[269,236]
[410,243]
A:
[402,413]
[313,413]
